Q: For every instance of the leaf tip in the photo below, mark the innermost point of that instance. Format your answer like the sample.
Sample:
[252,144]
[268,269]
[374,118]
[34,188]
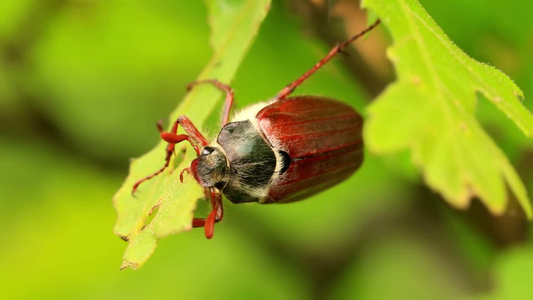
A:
[128,264]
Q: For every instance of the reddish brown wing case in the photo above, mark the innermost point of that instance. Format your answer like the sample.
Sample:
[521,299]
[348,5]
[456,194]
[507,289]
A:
[323,138]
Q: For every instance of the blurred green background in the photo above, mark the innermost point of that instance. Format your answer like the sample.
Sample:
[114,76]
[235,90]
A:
[83,82]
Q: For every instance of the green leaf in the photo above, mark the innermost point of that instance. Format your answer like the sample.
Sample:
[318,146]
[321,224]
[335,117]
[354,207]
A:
[511,275]
[163,205]
[430,110]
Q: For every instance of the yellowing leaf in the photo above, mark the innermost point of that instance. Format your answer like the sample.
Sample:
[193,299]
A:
[163,205]
[430,110]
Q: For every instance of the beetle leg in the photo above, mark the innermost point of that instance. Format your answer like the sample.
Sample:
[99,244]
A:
[188,170]
[193,136]
[337,49]
[214,216]
[223,87]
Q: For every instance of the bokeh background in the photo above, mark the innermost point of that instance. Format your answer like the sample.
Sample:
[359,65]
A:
[82,83]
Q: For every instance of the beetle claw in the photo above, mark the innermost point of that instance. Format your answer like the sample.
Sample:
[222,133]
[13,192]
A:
[209,227]
[188,170]
[208,224]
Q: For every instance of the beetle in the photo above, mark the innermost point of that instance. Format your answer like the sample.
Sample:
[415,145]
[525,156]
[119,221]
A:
[278,151]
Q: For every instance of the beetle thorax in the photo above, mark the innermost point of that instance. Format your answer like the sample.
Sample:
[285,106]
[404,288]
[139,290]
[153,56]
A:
[211,168]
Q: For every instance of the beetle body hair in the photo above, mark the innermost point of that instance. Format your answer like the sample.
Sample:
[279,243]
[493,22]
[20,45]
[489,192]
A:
[251,159]
[250,113]
[237,178]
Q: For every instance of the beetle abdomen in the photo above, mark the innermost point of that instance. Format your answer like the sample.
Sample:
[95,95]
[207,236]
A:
[251,161]
[321,136]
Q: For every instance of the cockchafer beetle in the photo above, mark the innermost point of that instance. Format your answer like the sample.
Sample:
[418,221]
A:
[278,151]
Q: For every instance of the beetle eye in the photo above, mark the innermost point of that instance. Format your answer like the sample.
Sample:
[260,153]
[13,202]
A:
[208,150]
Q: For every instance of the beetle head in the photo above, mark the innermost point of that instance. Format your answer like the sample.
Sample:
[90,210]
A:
[210,168]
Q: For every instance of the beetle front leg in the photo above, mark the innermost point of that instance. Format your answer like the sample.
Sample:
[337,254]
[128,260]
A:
[193,136]
[228,103]
[188,170]
[214,216]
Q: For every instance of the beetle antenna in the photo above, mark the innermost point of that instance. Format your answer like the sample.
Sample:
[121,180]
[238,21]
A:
[337,49]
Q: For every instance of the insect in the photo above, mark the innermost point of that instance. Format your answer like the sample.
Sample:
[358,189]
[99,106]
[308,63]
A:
[279,151]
